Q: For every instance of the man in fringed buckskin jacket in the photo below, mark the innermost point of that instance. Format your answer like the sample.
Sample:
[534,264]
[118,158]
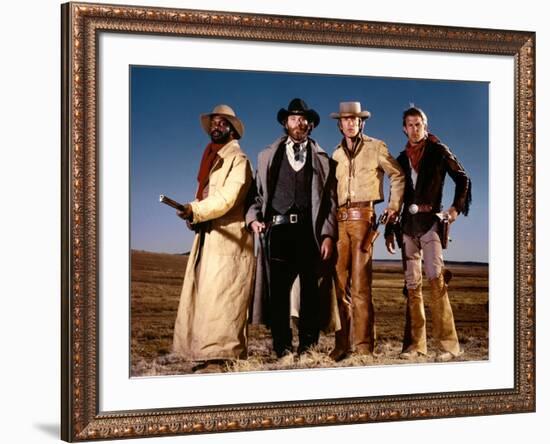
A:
[361,162]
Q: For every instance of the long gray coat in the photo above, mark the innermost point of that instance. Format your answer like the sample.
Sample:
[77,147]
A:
[323,205]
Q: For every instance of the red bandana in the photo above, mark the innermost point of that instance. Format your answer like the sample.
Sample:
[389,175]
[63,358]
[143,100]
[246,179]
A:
[415,152]
[207,161]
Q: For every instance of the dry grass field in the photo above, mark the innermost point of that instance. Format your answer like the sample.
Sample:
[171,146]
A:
[156,285]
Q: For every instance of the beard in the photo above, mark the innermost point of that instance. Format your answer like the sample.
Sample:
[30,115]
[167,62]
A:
[298,134]
[219,136]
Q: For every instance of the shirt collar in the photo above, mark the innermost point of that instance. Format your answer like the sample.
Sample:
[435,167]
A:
[360,139]
[290,143]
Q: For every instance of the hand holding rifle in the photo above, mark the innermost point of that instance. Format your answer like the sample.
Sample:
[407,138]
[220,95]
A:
[186,214]
[183,211]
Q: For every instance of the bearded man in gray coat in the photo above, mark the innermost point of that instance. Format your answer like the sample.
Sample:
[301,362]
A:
[294,209]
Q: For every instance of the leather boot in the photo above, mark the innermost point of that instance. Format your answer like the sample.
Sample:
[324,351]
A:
[363,329]
[342,343]
[415,328]
[444,331]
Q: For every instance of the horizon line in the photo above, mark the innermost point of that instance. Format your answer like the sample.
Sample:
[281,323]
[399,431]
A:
[374,260]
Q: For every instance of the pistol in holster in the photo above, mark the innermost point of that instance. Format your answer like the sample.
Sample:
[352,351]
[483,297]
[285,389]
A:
[443,227]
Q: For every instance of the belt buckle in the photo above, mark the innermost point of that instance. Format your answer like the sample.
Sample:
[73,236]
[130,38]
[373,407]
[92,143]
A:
[293,218]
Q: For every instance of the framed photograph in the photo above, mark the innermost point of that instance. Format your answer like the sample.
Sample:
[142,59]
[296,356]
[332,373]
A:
[135,83]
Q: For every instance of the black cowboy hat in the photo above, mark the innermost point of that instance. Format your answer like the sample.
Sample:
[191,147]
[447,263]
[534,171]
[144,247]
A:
[300,108]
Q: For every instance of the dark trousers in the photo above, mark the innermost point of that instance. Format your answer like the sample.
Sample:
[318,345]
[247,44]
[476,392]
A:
[293,252]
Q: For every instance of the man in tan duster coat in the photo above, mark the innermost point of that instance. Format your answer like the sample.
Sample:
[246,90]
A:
[212,315]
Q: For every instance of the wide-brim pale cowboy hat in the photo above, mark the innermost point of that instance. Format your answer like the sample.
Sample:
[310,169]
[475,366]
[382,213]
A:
[350,109]
[224,111]
[298,107]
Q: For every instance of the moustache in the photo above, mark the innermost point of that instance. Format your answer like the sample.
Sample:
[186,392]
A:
[216,132]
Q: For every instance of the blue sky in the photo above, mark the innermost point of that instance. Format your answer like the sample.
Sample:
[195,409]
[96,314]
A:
[167,140]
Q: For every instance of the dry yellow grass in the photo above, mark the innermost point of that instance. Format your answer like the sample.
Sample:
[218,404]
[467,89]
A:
[156,285]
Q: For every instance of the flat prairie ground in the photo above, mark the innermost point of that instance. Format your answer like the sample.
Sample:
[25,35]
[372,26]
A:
[155,289]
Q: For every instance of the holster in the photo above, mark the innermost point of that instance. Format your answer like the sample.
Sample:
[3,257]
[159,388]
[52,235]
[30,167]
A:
[443,232]
[360,213]
[368,241]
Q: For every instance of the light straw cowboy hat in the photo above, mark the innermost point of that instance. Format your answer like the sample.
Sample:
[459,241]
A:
[226,112]
[350,109]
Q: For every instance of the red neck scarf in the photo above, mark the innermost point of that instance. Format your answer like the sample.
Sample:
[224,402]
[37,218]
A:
[416,151]
[207,161]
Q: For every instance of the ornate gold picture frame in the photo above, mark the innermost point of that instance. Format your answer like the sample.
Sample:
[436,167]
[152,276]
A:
[82,26]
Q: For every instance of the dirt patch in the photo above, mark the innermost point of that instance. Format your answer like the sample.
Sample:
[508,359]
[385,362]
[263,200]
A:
[155,290]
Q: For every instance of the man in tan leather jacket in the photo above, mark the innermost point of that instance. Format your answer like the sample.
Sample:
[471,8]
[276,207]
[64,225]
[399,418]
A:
[361,164]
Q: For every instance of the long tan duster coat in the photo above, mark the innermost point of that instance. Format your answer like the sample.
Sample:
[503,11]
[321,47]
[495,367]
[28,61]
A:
[212,314]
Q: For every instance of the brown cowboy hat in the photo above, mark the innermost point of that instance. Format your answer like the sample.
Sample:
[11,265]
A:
[298,107]
[350,109]
[226,112]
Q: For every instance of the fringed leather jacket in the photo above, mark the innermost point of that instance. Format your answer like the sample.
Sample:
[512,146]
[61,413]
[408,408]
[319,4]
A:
[437,161]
